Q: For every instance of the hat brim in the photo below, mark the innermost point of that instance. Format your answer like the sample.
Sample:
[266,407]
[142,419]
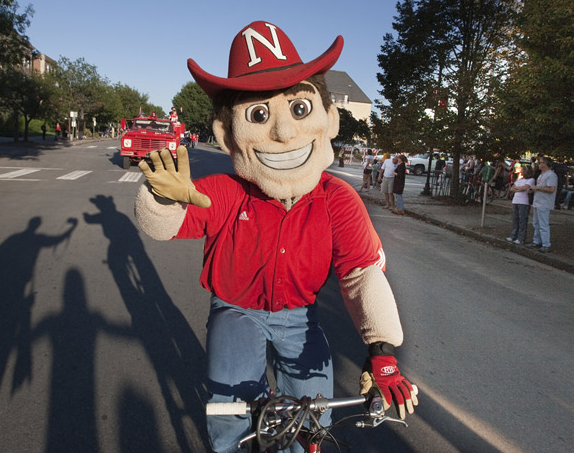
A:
[276,79]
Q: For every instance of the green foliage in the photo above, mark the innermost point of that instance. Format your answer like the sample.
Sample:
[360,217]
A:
[194,108]
[538,97]
[29,95]
[81,88]
[14,44]
[437,73]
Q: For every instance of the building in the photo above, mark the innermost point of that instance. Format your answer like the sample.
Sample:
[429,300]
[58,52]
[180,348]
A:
[33,60]
[43,64]
[346,94]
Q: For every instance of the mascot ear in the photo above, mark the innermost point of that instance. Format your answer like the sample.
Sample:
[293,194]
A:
[333,115]
[223,135]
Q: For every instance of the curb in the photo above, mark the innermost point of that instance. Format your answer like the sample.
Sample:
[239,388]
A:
[535,255]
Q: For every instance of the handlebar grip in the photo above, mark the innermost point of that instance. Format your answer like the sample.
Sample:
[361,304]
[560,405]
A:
[237,408]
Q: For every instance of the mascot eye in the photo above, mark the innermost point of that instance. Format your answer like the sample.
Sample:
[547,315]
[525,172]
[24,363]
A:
[258,113]
[300,108]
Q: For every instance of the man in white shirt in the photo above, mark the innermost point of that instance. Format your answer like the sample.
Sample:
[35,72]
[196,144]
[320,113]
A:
[544,197]
[387,175]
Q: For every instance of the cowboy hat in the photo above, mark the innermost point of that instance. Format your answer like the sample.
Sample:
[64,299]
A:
[263,58]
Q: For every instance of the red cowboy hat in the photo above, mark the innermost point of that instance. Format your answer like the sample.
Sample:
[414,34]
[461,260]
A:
[263,58]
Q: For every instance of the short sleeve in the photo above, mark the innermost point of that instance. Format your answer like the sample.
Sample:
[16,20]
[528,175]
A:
[355,241]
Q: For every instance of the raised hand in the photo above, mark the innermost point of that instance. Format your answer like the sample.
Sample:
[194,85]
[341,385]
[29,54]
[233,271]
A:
[168,182]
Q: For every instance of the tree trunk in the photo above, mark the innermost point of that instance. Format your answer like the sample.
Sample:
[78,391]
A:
[26,126]
[16,126]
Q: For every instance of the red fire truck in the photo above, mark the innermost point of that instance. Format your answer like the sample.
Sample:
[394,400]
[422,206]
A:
[144,135]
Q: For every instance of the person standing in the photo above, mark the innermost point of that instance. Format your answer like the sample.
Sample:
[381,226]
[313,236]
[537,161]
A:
[399,185]
[544,197]
[173,115]
[375,173]
[367,170]
[58,130]
[387,179]
[561,171]
[520,205]
[43,127]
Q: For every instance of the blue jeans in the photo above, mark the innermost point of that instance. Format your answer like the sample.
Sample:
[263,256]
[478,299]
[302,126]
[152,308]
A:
[237,341]
[399,202]
[541,224]
[567,198]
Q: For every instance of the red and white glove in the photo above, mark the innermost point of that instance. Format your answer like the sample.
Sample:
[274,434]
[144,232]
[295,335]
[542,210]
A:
[382,373]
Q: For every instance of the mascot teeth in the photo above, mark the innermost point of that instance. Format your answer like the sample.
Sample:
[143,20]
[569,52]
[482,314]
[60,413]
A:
[286,160]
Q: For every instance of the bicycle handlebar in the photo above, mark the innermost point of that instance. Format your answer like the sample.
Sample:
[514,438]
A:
[319,403]
[237,408]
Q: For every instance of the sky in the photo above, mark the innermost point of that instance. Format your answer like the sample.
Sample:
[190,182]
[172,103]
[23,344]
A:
[145,44]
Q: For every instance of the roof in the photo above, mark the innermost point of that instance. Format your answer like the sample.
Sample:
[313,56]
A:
[341,82]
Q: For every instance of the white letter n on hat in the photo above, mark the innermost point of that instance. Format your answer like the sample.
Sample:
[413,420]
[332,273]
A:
[275,48]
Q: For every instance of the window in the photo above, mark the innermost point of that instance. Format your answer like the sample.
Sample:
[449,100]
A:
[339,98]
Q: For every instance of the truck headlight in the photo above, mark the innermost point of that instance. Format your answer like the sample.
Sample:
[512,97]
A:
[127,143]
[172,146]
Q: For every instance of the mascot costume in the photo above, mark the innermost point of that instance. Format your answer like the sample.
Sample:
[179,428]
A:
[272,232]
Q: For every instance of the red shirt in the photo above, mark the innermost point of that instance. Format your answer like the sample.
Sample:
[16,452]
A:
[259,255]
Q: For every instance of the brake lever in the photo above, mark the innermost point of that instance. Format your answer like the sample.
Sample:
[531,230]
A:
[373,422]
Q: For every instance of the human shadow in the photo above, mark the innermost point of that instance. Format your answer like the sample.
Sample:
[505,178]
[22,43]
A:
[18,256]
[72,334]
[138,424]
[169,341]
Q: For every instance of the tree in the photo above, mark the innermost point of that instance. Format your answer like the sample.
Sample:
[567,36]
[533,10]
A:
[132,101]
[29,95]
[195,108]
[437,72]
[348,126]
[14,44]
[538,96]
[81,88]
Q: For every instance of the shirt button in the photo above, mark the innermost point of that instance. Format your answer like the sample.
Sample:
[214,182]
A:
[282,250]
[278,280]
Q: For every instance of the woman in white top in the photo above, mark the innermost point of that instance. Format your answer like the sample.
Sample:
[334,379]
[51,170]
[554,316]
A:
[520,205]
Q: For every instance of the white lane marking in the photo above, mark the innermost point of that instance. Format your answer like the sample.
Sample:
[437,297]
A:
[112,147]
[17,173]
[131,177]
[75,175]
[91,146]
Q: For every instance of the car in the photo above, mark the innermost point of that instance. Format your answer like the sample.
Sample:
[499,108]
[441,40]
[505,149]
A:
[418,163]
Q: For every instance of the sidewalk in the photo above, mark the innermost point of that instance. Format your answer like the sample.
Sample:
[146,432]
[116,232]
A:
[35,145]
[466,220]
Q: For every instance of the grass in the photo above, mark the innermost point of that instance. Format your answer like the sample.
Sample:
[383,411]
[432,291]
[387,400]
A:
[34,128]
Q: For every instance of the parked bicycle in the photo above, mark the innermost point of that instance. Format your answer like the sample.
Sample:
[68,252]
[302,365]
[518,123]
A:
[280,421]
[472,189]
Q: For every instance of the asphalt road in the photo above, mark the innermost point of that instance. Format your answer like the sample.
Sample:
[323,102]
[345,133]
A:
[102,330]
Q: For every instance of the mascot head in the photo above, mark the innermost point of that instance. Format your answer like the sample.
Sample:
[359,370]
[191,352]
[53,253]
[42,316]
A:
[273,113]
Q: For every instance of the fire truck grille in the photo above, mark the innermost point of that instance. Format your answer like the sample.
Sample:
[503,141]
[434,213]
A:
[148,144]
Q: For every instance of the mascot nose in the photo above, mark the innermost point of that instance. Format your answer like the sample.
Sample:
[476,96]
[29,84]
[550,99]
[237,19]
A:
[283,130]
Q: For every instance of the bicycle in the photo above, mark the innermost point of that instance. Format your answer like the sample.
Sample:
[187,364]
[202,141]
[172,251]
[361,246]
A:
[480,193]
[281,421]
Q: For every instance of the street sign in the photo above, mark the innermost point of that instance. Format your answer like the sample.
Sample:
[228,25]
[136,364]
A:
[73,114]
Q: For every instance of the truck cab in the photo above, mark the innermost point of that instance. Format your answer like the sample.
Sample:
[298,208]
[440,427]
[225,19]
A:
[144,135]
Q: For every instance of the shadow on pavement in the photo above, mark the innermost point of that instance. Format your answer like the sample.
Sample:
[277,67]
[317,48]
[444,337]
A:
[171,345]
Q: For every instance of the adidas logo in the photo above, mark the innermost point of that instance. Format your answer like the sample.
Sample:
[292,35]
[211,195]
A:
[243,216]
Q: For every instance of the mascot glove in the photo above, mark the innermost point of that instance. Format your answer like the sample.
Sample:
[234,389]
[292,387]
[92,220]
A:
[170,182]
[381,373]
